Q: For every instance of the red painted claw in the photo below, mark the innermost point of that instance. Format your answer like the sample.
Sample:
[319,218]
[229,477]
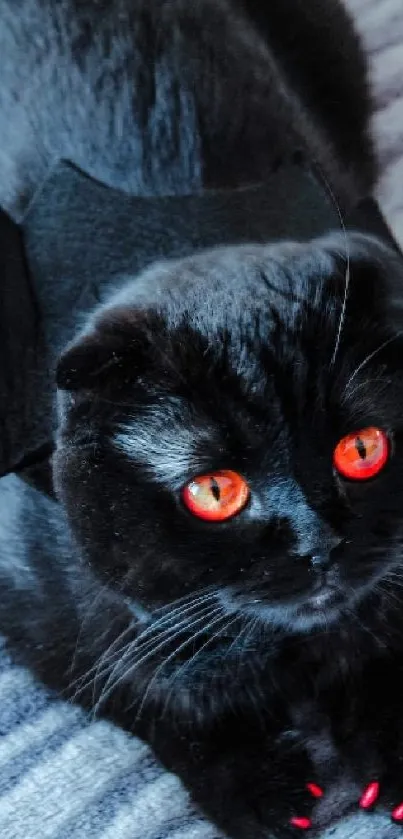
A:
[301,822]
[397,814]
[315,790]
[370,795]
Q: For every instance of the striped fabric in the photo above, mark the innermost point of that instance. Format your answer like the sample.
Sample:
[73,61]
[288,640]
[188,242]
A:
[62,777]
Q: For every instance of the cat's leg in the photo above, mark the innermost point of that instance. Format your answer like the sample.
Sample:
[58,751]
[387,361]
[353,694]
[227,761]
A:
[251,783]
[373,748]
[254,791]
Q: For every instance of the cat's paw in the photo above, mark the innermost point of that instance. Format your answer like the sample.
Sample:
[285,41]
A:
[283,816]
[375,796]
[304,820]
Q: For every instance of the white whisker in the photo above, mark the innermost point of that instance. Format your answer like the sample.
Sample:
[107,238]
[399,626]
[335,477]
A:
[109,657]
[367,382]
[140,645]
[181,600]
[176,652]
[371,356]
[111,685]
[89,613]
[145,641]
[187,664]
[347,275]
[244,630]
[85,680]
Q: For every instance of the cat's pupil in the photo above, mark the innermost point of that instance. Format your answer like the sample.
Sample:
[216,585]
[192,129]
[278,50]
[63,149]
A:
[361,448]
[215,489]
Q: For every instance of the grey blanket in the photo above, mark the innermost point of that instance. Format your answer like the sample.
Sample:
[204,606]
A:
[65,777]
[62,777]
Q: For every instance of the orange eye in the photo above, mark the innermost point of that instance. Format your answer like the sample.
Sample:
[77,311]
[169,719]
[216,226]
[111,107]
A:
[217,496]
[361,455]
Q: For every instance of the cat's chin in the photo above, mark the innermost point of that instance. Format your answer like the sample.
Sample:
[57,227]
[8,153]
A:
[307,618]
[303,618]
[313,612]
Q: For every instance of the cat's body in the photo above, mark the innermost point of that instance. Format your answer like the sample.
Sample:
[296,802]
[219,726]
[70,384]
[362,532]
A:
[210,639]
[167,97]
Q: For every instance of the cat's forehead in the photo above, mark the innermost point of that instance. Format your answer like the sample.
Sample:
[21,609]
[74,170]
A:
[288,302]
[226,282]
[277,312]
[281,291]
[289,309]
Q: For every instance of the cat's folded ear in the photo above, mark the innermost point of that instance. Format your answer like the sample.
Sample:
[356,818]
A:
[375,275]
[393,273]
[381,263]
[118,343]
[87,363]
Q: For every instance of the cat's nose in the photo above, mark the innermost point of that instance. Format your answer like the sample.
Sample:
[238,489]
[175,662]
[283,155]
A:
[317,541]
[324,555]
[320,560]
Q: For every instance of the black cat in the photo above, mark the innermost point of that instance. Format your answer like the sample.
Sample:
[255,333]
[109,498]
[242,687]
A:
[222,571]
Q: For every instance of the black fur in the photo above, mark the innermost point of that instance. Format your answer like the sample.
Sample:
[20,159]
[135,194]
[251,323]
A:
[167,96]
[233,358]
[202,638]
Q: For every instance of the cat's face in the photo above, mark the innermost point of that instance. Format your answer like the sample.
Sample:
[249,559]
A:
[255,361]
